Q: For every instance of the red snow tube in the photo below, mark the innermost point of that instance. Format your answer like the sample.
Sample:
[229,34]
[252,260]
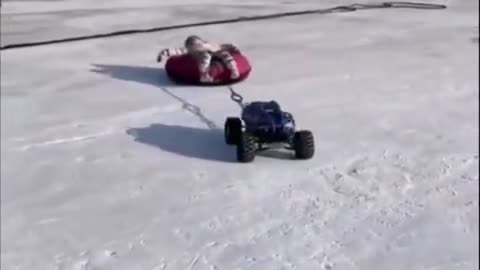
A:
[183,70]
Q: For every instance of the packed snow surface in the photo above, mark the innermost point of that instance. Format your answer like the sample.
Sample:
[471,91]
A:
[108,165]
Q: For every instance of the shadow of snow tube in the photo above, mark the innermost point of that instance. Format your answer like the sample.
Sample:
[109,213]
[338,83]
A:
[183,69]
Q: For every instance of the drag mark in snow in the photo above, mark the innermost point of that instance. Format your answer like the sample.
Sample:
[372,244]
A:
[161,266]
[195,260]
[47,221]
[66,140]
[87,260]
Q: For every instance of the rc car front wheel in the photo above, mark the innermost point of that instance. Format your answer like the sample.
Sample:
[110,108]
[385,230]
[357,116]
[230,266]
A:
[246,148]
[233,130]
[303,144]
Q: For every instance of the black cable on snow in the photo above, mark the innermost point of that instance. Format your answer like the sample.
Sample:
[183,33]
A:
[348,8]
[236,97]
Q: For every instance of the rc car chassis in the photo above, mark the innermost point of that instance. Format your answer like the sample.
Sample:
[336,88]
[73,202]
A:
[263,125]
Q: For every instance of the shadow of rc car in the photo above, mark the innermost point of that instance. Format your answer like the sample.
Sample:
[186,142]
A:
[263,125]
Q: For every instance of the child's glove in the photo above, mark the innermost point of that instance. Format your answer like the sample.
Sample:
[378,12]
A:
[163,54]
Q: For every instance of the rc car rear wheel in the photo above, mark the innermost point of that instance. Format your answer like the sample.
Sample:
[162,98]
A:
[246,148]
[303,144]
[233,130]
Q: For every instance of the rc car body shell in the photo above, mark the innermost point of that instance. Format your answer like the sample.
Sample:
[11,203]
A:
[268,122]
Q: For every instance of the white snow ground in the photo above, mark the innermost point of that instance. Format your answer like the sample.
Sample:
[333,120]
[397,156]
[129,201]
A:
[107,165]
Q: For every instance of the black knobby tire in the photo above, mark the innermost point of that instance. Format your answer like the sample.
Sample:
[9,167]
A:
[233,130]
[303,144]
[246,148]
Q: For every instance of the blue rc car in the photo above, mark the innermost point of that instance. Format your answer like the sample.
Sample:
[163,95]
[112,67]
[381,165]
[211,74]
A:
[262,125]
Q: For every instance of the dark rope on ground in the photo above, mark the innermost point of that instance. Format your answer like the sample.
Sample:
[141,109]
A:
[193,109]
[347,8]
[236,97]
